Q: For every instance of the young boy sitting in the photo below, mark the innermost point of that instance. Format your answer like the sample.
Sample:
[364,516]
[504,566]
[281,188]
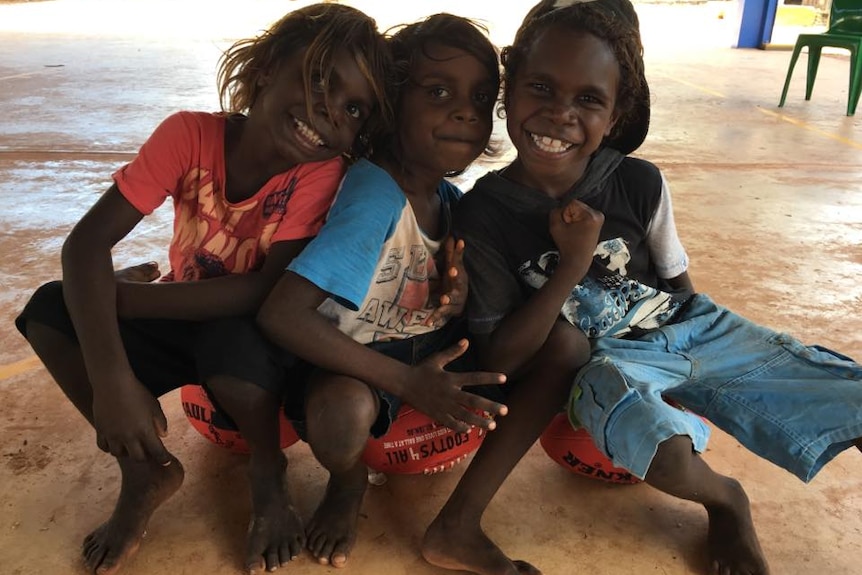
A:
[575,228]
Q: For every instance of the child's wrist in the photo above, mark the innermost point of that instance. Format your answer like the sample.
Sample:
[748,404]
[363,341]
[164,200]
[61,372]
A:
[574,269]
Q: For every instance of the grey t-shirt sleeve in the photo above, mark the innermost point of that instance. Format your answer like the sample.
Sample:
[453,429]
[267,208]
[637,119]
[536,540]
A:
[666,249]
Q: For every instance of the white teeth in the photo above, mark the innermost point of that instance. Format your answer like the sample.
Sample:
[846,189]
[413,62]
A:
[307,133]
[549,144]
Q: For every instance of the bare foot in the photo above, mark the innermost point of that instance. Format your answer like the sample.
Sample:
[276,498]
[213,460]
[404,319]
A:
[462,548]
[145,486]
[275,532]
[332,531]
[144,273]
[733,545]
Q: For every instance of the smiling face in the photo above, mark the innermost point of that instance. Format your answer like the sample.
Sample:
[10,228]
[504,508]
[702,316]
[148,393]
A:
[446,110]
[559,108]
[339,108]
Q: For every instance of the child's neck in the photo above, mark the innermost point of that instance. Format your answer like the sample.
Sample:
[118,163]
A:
[247,167]
[413,181]
[420,187]
[554,185]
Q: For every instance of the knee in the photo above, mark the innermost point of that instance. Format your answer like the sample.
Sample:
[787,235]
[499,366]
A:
[50,292]
[672,461]
[339,402]
[565,351]
[339,414]
[242,398]
[46,302]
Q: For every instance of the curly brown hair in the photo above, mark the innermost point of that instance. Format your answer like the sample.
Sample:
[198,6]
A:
[614,21]
[320,30]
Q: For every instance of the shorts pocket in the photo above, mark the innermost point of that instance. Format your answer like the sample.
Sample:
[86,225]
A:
[822,358]
[604,393]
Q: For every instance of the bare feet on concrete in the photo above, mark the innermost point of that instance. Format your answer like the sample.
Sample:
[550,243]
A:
[275,532]
[145,486]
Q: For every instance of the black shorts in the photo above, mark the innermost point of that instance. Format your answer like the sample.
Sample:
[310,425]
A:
[166,354]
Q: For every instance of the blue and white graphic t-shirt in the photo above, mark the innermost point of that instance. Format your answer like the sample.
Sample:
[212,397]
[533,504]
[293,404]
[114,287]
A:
[605,303]
[373,259]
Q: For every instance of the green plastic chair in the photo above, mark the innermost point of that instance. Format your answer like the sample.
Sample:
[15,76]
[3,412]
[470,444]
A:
[845,31]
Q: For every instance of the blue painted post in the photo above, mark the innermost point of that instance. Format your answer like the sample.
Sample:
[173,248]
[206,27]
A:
[756,19]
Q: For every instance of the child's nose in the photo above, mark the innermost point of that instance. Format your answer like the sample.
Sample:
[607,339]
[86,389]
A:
[329,110]
[563,112]
[470,118]
[466,110]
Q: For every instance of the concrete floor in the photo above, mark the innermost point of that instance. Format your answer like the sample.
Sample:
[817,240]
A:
[768,203]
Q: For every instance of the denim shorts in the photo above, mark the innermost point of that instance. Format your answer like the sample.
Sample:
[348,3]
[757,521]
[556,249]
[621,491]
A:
[797,406]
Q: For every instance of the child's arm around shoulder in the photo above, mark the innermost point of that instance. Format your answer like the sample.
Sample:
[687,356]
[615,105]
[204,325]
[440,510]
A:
[127,418]
[229,295]
[340,263]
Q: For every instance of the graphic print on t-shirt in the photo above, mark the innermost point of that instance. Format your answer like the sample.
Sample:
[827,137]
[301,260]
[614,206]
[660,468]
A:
[606,302]
[404,282]
[216,238]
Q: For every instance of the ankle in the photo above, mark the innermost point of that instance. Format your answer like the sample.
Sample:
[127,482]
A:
[267,464]
[354,478]
[732,498]
[457,516]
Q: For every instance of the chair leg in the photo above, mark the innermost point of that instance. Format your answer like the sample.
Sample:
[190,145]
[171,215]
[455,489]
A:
[813,63]
[855,81]
[793,59]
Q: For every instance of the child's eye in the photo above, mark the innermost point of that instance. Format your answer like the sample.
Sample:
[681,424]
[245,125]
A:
[539,87]
[483,98]
[590,100]
[354,111]
[438,92]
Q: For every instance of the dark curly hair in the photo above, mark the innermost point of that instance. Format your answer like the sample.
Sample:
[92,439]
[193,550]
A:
[320,30]
[410,41]
[614,21]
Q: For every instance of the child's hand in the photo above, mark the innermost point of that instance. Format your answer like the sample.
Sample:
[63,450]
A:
[575,229]
[454,284]
[127,280]
[129,422]
[439,395]
[143,273]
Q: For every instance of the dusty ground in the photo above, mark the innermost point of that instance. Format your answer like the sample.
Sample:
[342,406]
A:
[768,204]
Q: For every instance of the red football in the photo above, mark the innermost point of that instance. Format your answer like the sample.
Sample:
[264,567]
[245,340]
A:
[214,426]
[417,444]
[574,450]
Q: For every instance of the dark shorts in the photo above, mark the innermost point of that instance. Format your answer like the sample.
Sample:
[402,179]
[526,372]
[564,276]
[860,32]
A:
[410,351]
[166,354]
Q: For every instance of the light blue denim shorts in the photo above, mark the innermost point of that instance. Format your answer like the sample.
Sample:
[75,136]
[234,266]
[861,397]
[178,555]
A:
[797,406]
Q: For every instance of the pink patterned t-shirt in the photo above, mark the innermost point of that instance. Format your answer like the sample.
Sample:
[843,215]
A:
[184,159]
